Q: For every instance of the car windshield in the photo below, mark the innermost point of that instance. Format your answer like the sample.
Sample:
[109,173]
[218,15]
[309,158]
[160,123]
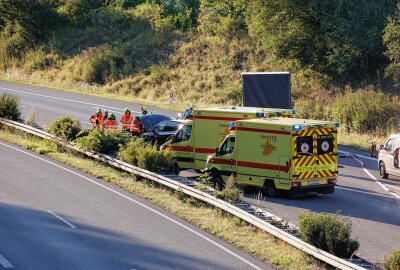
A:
[151,120]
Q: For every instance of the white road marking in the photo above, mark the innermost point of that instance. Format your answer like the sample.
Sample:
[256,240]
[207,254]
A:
[141,204]
[90,124]
[65,99]
[376,180]
[62,219]
[5,263]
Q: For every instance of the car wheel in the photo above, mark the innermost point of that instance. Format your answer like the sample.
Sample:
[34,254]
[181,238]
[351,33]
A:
[382,170]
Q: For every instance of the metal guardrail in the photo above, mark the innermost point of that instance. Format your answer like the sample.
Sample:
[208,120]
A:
[255,220]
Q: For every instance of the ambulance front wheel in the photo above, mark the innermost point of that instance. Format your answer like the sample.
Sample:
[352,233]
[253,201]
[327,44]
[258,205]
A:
[218,182]
[271,189]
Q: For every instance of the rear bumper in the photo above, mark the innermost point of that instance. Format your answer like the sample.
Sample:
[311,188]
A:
[310,190]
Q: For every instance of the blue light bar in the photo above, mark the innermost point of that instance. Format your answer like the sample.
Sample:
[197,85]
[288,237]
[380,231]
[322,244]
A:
[260,114]
[294,111]
[337,124]
[297,127]
[232,125]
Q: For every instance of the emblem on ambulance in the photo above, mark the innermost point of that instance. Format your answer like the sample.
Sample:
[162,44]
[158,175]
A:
[268,148]
[325,146]
[305,148]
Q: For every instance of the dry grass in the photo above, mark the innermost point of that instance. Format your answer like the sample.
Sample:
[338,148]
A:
[360,141]
[244,236]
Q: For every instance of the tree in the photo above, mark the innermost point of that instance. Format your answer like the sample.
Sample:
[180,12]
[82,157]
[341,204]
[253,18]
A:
[340,37]
[221,18]
[391,40]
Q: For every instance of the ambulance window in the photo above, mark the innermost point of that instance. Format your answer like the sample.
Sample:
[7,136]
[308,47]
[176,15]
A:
[325,144]
[228,146]
[184,134]
[304,145]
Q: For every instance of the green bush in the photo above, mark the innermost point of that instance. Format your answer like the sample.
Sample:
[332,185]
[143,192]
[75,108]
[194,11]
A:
[364,110]
[65,127]
[9,106]
[392,262]
[230,193]
[147,156]
[328,232]
[103,141]
[38,59]
[102,65]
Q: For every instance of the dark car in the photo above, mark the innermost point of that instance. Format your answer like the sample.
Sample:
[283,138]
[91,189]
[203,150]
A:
[160,133]
[148,121]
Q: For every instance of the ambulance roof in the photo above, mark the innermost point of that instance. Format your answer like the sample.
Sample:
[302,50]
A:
[246,110]
[290,122]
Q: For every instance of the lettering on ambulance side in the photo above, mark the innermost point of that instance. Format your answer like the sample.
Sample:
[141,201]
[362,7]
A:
[314,167]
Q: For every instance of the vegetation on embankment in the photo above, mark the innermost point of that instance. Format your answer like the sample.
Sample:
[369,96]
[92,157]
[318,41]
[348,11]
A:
[244,236]
[199,48]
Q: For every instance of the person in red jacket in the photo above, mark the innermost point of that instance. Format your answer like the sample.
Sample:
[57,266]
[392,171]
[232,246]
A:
[126,120]
[137,127]
[111,123]
[97,118]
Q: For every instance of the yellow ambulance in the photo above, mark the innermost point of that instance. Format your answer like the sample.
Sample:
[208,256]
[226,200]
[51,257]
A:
[206,128]
[297,155]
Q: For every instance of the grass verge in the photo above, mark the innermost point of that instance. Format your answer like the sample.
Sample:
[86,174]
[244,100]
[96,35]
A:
[231,229]
[360,141]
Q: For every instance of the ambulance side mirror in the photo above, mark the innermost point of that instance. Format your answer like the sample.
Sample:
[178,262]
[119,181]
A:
[381,146]
[217,151]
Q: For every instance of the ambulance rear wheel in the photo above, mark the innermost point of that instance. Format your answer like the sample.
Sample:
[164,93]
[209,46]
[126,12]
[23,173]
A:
[271,189]
[218,182]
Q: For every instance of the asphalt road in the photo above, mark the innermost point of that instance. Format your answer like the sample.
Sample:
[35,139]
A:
[375,213]
[50,104]
[54,217]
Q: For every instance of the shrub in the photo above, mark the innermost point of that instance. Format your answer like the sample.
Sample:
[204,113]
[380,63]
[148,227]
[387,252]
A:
[328,232]
[392,262]
[147,157]
[103,141]
[102,64]
[83,133]
[30,117]
[38,59]
[230,193]
[364,110]
[65,127]
[9,106]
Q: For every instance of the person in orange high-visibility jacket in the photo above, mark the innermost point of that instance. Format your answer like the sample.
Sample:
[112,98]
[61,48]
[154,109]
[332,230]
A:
[111,123]
[126,120]
[97,118]
[137,127]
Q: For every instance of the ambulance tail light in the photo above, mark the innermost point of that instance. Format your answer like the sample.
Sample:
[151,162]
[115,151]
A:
[296,184]
[260,114]
[337,124]
[297,127]
[232,126]
[294,111]
[332,181]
